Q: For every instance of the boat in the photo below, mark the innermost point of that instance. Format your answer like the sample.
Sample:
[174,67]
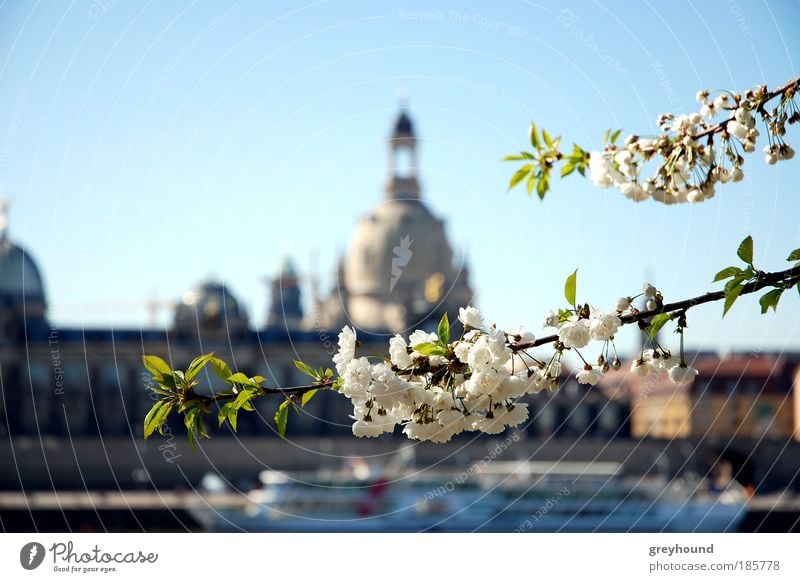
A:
[524,496]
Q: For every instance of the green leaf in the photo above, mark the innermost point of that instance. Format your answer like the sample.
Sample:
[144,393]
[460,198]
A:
[282,417]
[615,135]
[429,349]
[307,396]
[221,368]
[149,425]
[305,368]
[444,330]
[727,272]
[730,296]
[533,136]
[657,323]
[531,184]
[197,364]
[737,279]
[794,255]
[517,158]
[519,175]
[158,367]
[243,399]
[239,378]
[156,418]
[543,186]
[547,139]
[745,250]
[770,300]
[568,168]
[570,287]
[225,413]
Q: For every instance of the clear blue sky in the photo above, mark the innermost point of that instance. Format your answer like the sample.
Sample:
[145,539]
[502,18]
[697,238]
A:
[147,146]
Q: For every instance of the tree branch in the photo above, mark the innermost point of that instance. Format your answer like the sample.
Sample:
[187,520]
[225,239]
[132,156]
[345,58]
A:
[787,278]
[794,84]
[289,391]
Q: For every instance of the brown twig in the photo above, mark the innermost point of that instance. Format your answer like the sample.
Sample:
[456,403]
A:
[722,125]
[788,278]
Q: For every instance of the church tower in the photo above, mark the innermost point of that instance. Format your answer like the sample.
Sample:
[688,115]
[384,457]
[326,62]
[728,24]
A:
[285,310]
[399,271]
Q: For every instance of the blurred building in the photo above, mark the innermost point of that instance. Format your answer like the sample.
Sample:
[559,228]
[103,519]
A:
[399,272]
[748,396]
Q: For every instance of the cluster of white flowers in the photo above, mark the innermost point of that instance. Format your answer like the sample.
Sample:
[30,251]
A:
[660,361]
[691,165]
[436,389]
[577,330]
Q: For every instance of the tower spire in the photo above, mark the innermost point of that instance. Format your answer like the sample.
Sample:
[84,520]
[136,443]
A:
[402,180]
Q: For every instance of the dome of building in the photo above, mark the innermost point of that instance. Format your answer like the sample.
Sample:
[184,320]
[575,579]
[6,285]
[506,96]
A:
[210,307]
[399,269]
[400,243]
[19,276]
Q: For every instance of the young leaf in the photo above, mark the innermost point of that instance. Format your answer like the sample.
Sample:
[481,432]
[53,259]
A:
[547,139]
[519,175]
[727,272]
[429,349]
[159,417]
[531,183]
[197,364]
[657,323]
[730,297]
[570,287]
[225,412]
[149,424]
[533,136]
[444,330]
[305,368]
[307,396]
[770,300]
[745,250]
[282,417]
[221,368]
[543,185]
[568,168]
[158,367]
[794,255]
[243,399]
[239,378]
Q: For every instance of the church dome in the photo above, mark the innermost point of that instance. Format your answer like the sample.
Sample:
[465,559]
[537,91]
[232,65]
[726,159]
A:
[395,247]
[399,271]
[210,307]
[19,276]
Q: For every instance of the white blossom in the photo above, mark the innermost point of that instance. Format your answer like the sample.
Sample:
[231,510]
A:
[470,317]
[574,334]
[347,349]
[550,320]
[603,325]
[682,374]
[398,352]
[590,375]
